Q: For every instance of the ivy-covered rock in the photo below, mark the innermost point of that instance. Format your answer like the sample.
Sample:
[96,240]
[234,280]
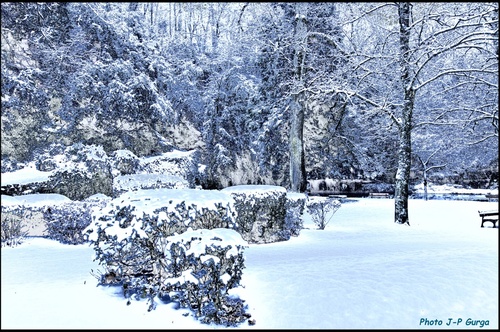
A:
[80,171]
[79,185]
[180,163]
[125,162]
[83,171]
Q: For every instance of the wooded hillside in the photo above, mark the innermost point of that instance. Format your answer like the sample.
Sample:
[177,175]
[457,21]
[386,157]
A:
[268,93]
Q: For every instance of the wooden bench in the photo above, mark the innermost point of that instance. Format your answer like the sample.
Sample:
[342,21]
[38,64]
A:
[491,197]
[379,195]
[338,196]
[489,216]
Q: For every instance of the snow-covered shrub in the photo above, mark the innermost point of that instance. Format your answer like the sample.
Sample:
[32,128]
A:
[212,264]
[295,205]
[67,222]
[261,212]
[154,242]
[13,227]
[10,164]
[319,208]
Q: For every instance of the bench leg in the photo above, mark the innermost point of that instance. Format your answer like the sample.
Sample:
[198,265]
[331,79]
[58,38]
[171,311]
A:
[493,221]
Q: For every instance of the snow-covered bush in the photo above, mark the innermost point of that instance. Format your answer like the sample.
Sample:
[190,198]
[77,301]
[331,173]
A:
[67,222]
[29,208]
[212,265]
[320,207]
[10,164]
[261,212]
[172,243]
[295,205]
[13,227]
[52,215]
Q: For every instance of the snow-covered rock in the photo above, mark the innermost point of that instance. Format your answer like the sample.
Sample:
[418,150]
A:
[80,171]
[180,163]
[124,183]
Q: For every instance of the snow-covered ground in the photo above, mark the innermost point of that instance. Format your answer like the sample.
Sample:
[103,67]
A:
[362,271]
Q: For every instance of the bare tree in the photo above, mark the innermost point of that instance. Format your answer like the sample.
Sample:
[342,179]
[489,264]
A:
[426,167]
[429,54]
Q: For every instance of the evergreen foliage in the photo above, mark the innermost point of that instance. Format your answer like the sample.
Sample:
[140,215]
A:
[161,257]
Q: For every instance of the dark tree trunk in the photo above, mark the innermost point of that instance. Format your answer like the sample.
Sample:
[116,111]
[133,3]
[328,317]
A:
[405,125]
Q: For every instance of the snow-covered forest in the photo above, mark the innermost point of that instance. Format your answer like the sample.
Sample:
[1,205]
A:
[268,93]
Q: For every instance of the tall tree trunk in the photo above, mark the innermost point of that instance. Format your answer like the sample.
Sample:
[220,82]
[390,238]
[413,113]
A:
[297,158]
[405,126]
[425,184]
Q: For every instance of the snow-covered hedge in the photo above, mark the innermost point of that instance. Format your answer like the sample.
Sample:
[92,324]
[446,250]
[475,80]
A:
[262,215]
[173,243]
[26,211]
[67,222]
[56,216]
[171,210]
